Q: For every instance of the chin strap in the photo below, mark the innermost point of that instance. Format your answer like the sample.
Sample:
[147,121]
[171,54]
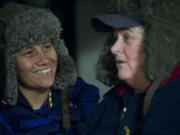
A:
[149,95]
[65,109]
[155,85]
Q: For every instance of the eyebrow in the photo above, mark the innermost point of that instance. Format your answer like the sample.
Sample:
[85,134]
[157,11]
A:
[122,29]
[26,47]
[48,42]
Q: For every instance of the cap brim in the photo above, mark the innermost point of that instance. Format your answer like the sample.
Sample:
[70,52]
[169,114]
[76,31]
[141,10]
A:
[106,22]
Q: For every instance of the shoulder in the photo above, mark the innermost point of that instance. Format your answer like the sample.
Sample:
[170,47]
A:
[102,115]
[165,110]
[109,99]
[169,91]
[83,90]
[167,98]
[80,83]
[110,92]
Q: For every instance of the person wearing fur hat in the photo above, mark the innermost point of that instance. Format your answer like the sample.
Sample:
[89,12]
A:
[141,61]
[43,93]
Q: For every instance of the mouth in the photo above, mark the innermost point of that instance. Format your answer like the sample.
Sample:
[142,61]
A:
[120,62]
[43,71]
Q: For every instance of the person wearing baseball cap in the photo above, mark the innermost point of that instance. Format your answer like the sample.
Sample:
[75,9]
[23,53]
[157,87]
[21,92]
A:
[140,60]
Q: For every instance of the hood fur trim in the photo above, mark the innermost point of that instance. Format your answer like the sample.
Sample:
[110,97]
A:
[160,19]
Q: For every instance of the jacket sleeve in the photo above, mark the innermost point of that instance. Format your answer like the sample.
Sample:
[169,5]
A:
[93,122]
[85,95]
[5,129]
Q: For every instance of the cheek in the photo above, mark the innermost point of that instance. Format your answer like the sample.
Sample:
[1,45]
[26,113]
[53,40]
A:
[140,60]
[23,67]
[54,59]
[141,55]
[136,57]
[53,56]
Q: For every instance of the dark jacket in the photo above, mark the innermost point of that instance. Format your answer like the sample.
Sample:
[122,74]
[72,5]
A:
[21,119]
[162,117]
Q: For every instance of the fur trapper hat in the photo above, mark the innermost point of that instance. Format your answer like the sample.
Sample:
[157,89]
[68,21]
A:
[36,26]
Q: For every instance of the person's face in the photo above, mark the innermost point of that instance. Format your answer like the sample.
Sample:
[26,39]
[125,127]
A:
[36,66]
[129,56]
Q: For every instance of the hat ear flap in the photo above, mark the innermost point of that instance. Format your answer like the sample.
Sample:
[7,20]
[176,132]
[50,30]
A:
[66,72]
[11,91]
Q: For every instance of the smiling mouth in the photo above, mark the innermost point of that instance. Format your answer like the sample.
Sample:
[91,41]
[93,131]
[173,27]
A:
[43,71]
[120,62]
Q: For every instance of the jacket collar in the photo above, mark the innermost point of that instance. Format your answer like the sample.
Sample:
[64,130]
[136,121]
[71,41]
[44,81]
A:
[174,74]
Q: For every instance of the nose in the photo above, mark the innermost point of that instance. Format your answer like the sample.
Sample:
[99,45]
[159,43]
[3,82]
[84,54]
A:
[42,59]
[117,46]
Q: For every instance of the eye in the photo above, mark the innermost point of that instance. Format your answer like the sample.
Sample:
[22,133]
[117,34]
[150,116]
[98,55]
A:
[28,53]
[127,38]
[47,46]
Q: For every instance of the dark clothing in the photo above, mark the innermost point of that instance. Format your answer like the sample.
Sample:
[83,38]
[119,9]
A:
[162,118]
[105,117]
[22,119]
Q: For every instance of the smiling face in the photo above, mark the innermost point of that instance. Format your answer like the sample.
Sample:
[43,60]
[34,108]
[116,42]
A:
[129,55]
[36,66]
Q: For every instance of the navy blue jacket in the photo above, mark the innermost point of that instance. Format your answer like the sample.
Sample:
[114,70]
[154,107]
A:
[162,118]
[21,119]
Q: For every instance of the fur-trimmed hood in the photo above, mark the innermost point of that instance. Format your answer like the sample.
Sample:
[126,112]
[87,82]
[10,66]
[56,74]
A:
[161,20]
[36,26]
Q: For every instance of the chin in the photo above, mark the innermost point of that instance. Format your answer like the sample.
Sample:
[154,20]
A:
[47,84]
[122,76]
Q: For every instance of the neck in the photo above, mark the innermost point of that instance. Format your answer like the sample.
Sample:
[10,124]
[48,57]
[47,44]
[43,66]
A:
[141,87]
[139,84]
[35,97]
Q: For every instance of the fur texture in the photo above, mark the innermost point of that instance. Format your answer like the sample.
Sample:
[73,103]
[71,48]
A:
[7,13]
[36,26]
[161,20]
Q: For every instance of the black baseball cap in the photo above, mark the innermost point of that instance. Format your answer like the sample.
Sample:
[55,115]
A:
[106,22]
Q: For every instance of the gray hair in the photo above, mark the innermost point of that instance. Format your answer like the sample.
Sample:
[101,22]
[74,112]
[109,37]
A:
[139,30]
